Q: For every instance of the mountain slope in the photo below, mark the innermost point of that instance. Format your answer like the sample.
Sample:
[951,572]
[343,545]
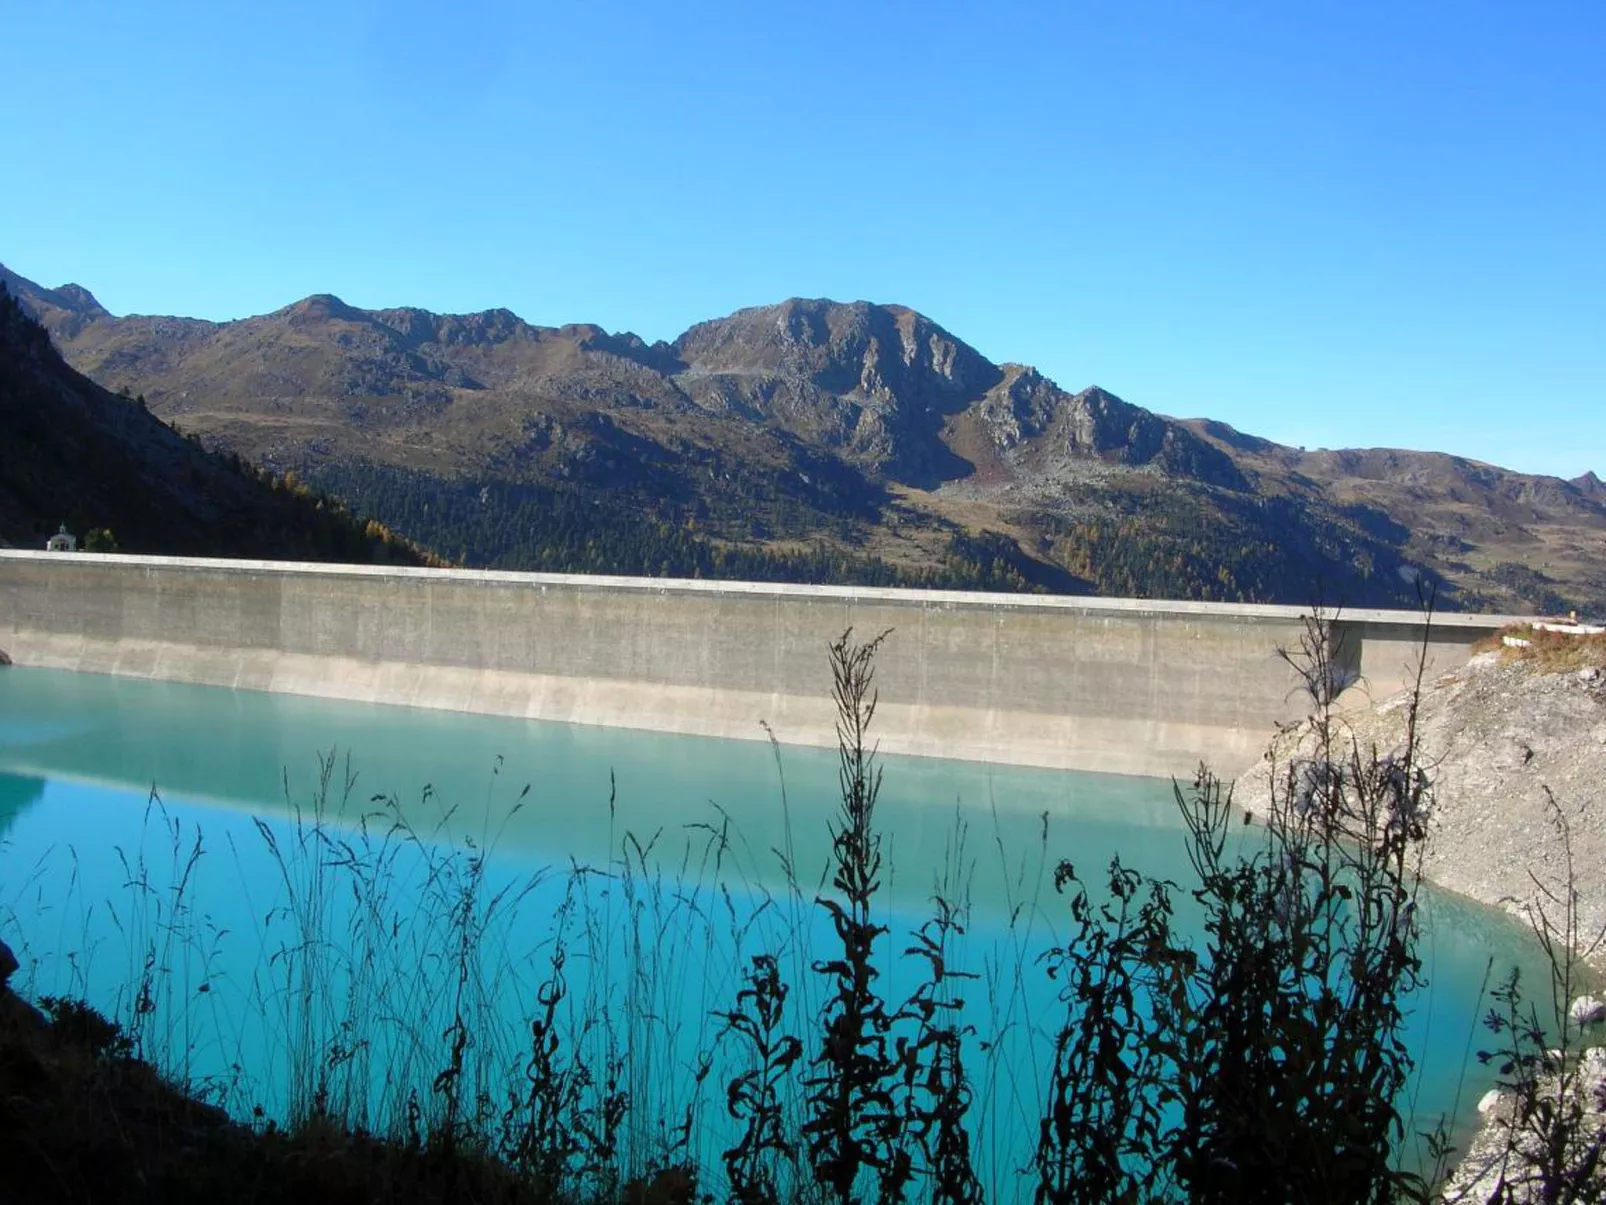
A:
[861,430]
[77,454]
[1500,534]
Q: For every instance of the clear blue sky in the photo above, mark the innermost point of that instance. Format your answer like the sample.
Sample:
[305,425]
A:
[1338,224]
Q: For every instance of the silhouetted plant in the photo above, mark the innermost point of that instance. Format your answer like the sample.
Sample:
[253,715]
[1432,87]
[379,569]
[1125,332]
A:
[466,927]
[1293,1055]
[159,922]
[854,1123]
[754,1097]
[79,1024]
[937,1089]
[1269,1065]
[1123,980]
[540,1139]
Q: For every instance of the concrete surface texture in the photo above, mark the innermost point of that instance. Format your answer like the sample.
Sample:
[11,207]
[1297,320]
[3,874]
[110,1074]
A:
[1120,685]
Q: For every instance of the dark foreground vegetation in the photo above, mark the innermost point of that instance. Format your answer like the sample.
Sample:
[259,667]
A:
[83,1119]
[1265,1064]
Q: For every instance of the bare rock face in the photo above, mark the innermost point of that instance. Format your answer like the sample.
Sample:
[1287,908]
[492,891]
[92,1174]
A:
[1590,485]
[850,349]
[1036,425]
[874,382]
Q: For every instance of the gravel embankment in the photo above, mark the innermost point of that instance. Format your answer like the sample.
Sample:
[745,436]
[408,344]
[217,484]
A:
[1494,735]
[1501,1165]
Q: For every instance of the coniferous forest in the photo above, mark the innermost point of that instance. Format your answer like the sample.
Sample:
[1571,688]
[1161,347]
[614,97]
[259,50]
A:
[558,529]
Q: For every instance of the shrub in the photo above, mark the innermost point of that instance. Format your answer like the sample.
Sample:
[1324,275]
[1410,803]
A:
[1278,1048]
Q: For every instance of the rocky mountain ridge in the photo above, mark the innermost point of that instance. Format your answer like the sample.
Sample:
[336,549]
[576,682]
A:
[868,427]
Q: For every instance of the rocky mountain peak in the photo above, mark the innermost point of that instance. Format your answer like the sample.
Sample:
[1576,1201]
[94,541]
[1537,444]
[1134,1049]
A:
[872,381]
[79,300]
[411,322]
[854,347]
[1020,407]
[320,307]
[1029,418]
[63,311]
[485,328]
[1591,485]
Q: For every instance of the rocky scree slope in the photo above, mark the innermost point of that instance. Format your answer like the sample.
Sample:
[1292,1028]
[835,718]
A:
[1494,736]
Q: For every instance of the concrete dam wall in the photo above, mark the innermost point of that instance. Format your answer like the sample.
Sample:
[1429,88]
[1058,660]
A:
[1120,685]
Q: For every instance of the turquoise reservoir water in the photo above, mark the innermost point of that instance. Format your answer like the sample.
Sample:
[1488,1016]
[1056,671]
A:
[382,927]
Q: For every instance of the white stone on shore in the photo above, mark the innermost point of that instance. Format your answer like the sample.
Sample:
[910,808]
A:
[1594,1062]
[1587,1010]
[1491,1101]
